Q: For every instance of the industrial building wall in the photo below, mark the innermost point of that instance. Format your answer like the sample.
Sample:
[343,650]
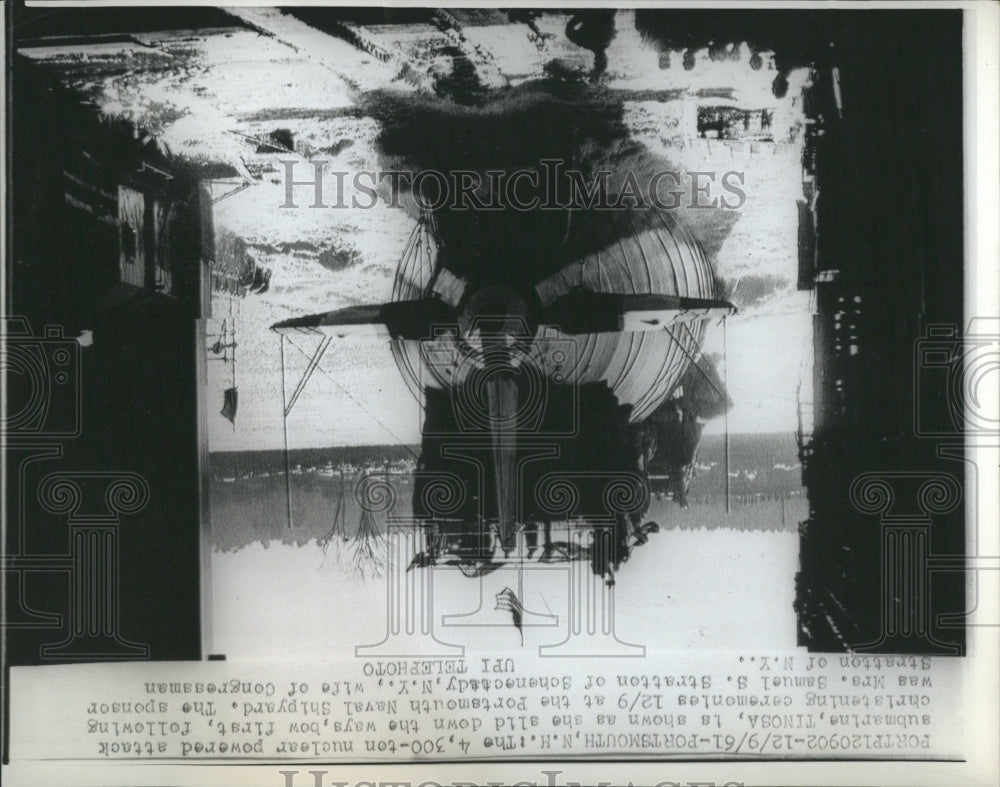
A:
[125,406]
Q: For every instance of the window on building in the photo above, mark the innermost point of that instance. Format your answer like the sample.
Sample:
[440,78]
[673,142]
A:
[130,242]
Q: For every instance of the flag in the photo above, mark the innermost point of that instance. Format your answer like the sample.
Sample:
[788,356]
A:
[230,401]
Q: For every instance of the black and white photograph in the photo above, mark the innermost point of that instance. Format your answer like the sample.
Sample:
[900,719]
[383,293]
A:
[542,395]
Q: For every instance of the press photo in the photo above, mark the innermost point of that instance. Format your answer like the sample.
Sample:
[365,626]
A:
[510,330]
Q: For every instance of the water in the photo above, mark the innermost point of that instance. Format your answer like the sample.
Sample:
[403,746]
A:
[250,499]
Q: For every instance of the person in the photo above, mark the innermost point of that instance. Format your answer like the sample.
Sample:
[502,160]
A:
[593,29]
